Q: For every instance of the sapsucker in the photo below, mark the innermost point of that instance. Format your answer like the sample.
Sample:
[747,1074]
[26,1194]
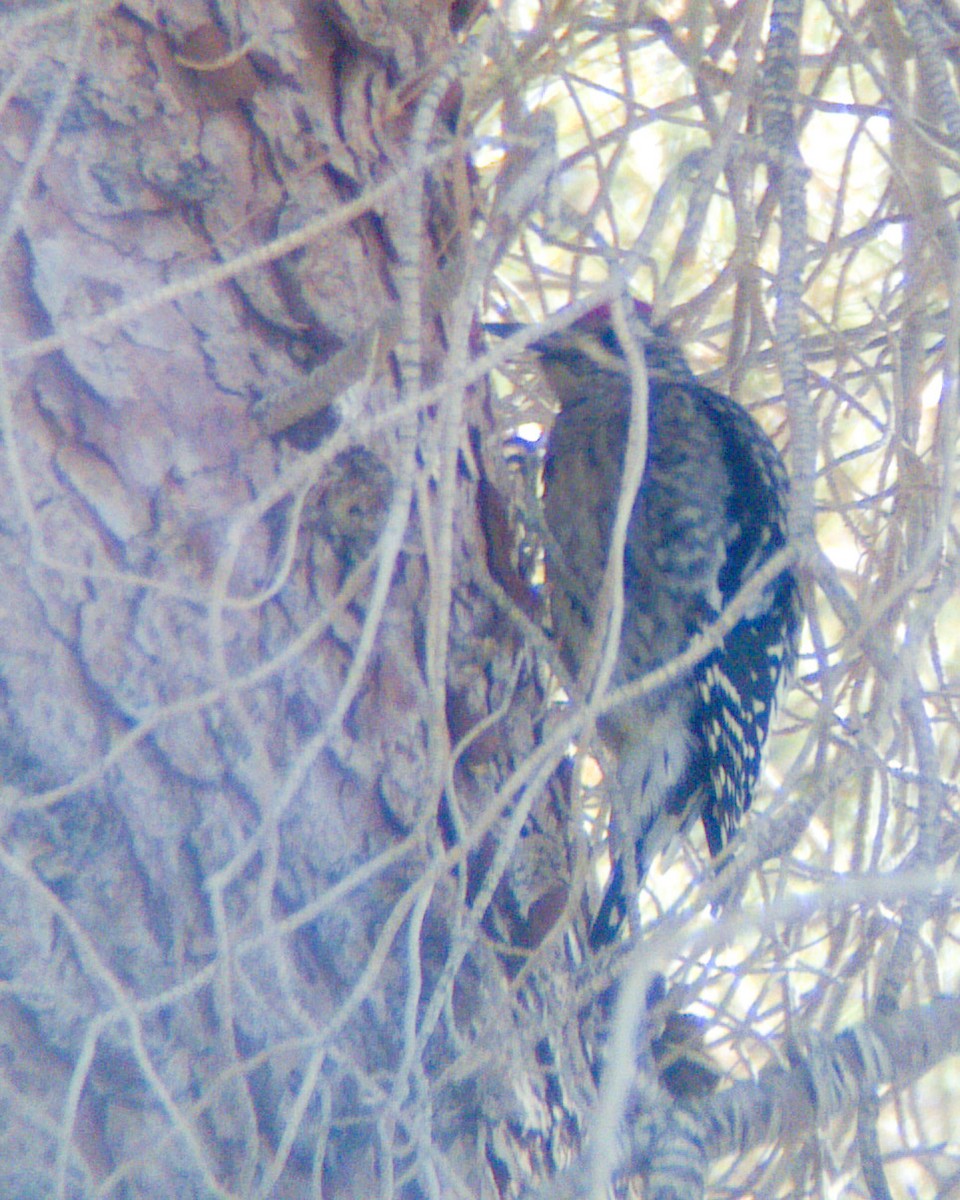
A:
[710,510]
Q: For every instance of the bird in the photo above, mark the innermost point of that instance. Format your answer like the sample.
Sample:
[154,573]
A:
[710,510]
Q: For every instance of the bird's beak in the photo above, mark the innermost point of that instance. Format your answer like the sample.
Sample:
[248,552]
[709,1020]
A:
[502,329]
[507,329]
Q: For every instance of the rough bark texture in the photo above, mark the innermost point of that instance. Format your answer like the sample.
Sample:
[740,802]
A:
[199,739]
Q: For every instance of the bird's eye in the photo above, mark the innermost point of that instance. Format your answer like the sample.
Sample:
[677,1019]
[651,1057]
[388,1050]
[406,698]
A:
[610,341]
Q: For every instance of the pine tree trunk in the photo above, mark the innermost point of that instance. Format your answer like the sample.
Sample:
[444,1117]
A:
[224,633]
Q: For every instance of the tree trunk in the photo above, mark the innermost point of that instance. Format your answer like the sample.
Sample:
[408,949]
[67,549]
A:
[227,614]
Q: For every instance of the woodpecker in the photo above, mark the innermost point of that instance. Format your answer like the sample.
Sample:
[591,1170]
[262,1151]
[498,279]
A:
[710,510]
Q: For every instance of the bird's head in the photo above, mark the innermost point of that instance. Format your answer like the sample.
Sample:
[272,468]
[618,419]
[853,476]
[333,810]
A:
[589,347]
